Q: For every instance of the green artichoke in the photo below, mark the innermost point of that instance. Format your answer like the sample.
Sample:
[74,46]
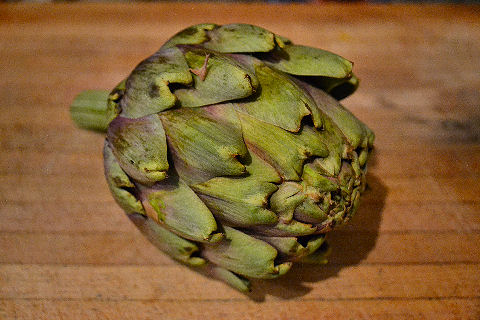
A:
[229,150]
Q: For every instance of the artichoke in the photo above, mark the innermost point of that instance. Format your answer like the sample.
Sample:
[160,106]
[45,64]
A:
[229,150]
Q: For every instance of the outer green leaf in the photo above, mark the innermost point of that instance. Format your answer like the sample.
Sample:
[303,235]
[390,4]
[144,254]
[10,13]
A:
[245,255]
[307,61]
[196,34]
[181,211]
[240,38]
[330,133]
[288,196]
[293,228]
[278,101]
[113,105]
[284,150]
[291,248]
[282,41]
[147,90]
[238,282]
[286,246]
[119,183]
[314,176]
[319,256]
[242,201]
[140,147]
[311,212]
[228,38]
[353,129]
[205,142]
[176,247]
[225,79]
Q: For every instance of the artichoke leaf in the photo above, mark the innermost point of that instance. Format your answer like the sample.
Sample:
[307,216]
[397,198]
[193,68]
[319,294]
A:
[205,142]
[240,38]
[284,201]
[355,132]
[120,184]
[310,212]
[284,150]
[177,207]
[282,41]
[234,280]
[278,100]
[225,79]
[242,201]
[337,144]
[292,248]
[147,88]
[140,147]
[176,247]
[320,256]
[286,246]
[307,61]
[196,34]
[245,255]
[314,175]
[293,228]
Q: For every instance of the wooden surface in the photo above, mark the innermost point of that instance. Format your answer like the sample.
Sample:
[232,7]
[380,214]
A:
[411,252]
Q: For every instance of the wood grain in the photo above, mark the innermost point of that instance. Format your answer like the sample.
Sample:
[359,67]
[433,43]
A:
[411,252]
[396,309]
[177,282]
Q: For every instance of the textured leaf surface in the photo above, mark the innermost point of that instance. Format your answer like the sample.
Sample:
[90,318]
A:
[286,151]
[232,279]
[147,88]
[206,142]
[245,255]
[242,201]
[353,129]
[225,79]
[196,34]
[240,38]
[120,184]
[278,100]
[308,61]
[177,247]
[290,247]
[140,147]
[179,208]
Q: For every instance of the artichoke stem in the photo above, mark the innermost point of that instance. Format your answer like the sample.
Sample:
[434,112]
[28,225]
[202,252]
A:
[89,110]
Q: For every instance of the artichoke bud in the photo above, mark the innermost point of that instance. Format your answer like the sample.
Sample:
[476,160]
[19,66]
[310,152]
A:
[228,148]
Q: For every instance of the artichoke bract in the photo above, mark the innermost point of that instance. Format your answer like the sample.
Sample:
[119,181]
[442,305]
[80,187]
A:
[229,150]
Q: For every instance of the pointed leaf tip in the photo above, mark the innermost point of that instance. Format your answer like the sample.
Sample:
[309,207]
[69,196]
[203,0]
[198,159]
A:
[307,61]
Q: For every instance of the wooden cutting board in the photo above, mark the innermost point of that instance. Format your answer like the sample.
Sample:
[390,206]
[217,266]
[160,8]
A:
[411,252]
